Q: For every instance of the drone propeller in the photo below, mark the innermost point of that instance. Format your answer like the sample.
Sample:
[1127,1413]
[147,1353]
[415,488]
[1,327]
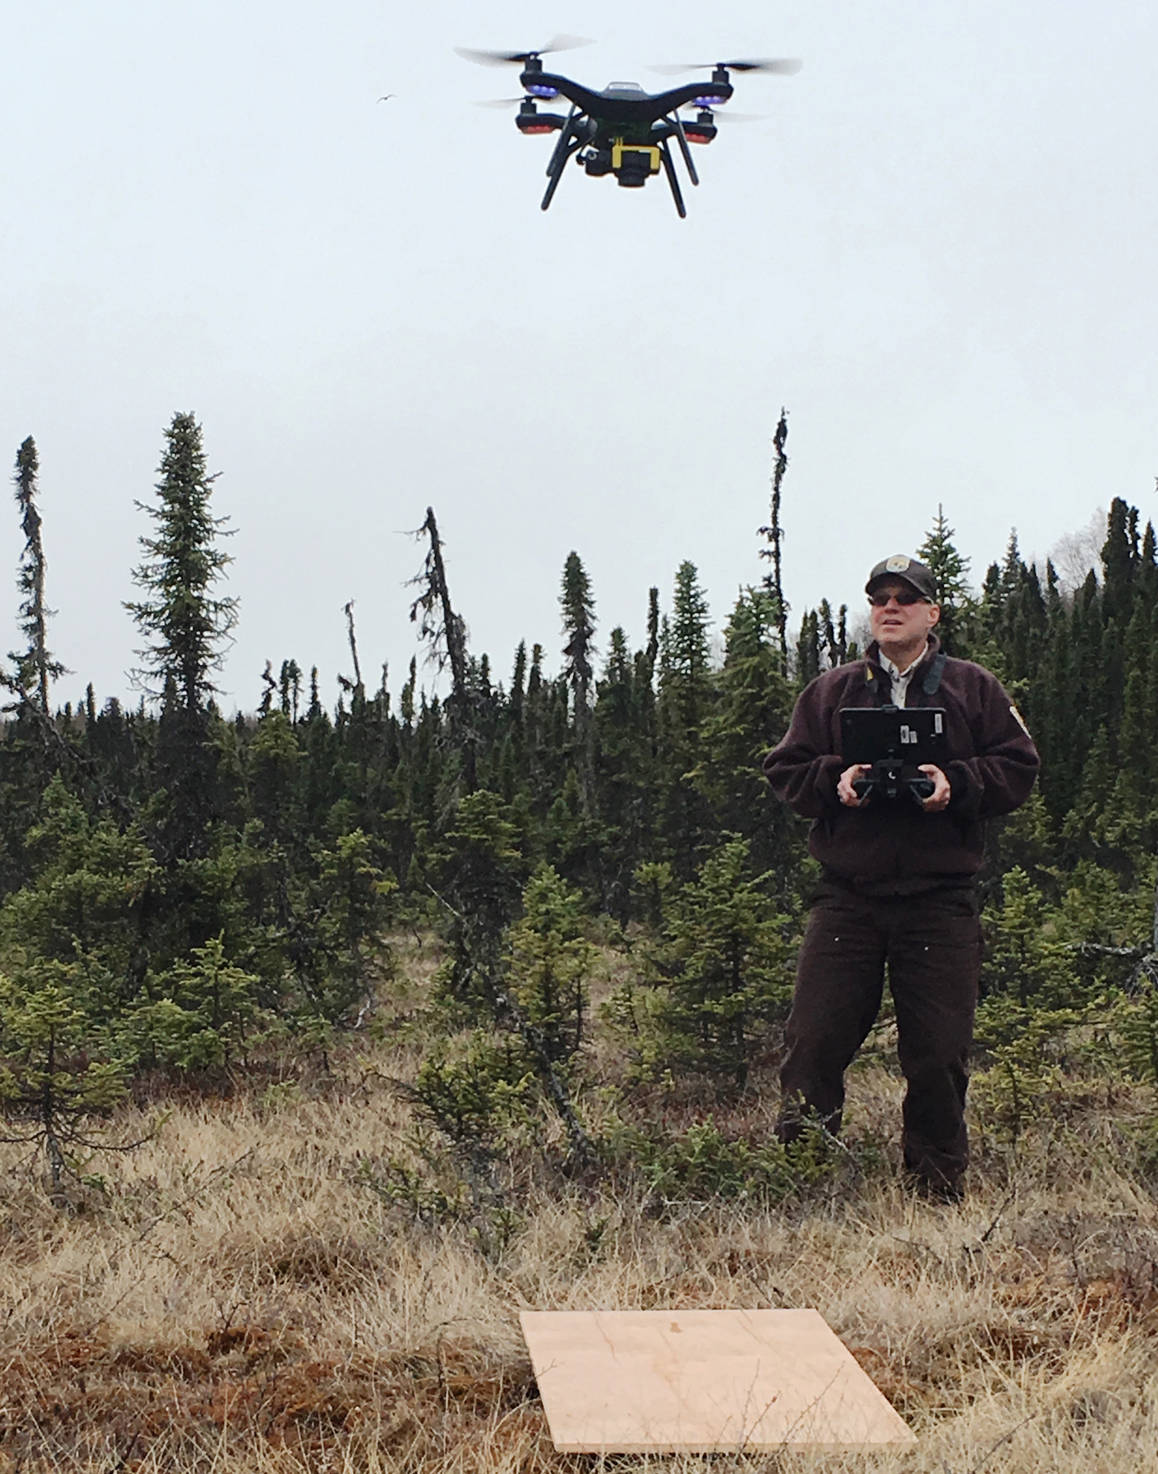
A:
[730,116]
[521,58]
[784,65]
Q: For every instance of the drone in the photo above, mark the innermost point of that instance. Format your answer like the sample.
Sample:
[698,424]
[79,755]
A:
[622,130]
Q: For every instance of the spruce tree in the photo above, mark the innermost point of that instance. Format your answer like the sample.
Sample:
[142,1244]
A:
[808,648]
[685,701]
[1119,558]
[774,534]
[549,963]
[752,711]
[625,769]
[187,625]
[579,628]
[726,963]
[35,666]
[35,746]
[951,572]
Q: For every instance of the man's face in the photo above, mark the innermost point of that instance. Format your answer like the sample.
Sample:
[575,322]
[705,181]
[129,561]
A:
[899,616]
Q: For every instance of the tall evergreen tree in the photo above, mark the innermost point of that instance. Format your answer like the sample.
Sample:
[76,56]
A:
[751,713]
[35,745]
[186,625]
[652,628]
[624,769]
[1119,558]
[808,648]
[579,627]
[774,534]
[35,667]
[951,572]
[685,700]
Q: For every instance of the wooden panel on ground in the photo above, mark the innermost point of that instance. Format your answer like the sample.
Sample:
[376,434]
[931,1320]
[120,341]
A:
[702,1381]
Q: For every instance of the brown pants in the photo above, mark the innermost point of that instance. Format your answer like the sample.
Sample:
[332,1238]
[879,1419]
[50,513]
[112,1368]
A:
[932,946]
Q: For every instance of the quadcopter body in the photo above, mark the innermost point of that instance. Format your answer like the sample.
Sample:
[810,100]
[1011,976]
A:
[621,130]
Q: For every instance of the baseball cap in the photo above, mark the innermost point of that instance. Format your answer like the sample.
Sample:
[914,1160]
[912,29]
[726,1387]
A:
[909,571]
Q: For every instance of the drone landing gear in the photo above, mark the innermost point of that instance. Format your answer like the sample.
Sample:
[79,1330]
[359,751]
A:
[669,170]
[676,129]
[682,140]
[631,163]
[571,139]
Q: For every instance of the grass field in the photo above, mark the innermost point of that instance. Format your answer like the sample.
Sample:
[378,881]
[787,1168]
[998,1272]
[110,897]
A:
[240,1294]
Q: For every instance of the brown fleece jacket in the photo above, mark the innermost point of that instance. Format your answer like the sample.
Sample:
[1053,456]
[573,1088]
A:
[896,848]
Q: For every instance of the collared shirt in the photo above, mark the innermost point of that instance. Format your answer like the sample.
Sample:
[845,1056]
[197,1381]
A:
[901,678]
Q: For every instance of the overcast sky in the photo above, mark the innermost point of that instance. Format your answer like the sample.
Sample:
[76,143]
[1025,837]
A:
[936,249]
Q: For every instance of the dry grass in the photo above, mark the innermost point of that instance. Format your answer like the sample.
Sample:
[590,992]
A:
[238,1297]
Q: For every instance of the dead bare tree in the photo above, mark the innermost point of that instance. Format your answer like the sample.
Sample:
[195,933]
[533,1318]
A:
[359,689]
[446,634]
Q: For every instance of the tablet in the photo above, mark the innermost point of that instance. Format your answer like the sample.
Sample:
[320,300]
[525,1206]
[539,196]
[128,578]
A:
[913,734]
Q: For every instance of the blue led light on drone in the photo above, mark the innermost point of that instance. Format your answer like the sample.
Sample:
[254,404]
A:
[541,91]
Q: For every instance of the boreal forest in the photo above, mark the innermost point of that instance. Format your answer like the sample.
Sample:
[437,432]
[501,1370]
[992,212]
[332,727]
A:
[187,894]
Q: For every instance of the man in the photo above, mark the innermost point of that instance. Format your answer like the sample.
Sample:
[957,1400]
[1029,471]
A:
[898,879]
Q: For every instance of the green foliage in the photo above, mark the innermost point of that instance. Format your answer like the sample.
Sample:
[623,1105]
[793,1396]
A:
[179,614]
[578,608]
[1134,1028]
[273,767]
[347,898]
[478,871]
[1025,1052]
[57,1073]
[549,963]
[491,1091]
[951,572]
[752,707]
[34,666]
[625,769]
[187,627]
[86,898]
[724,959]
[654,882]
[201,1013]
[187,883]
[476,1092]
[1022,960]
[702,1164]
[685,701]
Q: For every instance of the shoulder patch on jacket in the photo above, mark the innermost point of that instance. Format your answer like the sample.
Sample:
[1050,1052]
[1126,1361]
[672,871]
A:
[1019,719]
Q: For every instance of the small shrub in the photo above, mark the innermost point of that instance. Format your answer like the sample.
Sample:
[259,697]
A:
[702,1164]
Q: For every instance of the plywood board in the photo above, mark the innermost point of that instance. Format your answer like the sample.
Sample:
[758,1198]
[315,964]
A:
[702,1381]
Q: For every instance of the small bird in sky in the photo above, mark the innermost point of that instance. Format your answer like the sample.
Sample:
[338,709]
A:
[388,96]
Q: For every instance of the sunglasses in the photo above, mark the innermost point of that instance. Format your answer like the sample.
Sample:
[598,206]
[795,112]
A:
[902,596]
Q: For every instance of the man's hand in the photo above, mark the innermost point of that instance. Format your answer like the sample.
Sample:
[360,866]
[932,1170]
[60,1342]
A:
[844,789]
[939,798]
